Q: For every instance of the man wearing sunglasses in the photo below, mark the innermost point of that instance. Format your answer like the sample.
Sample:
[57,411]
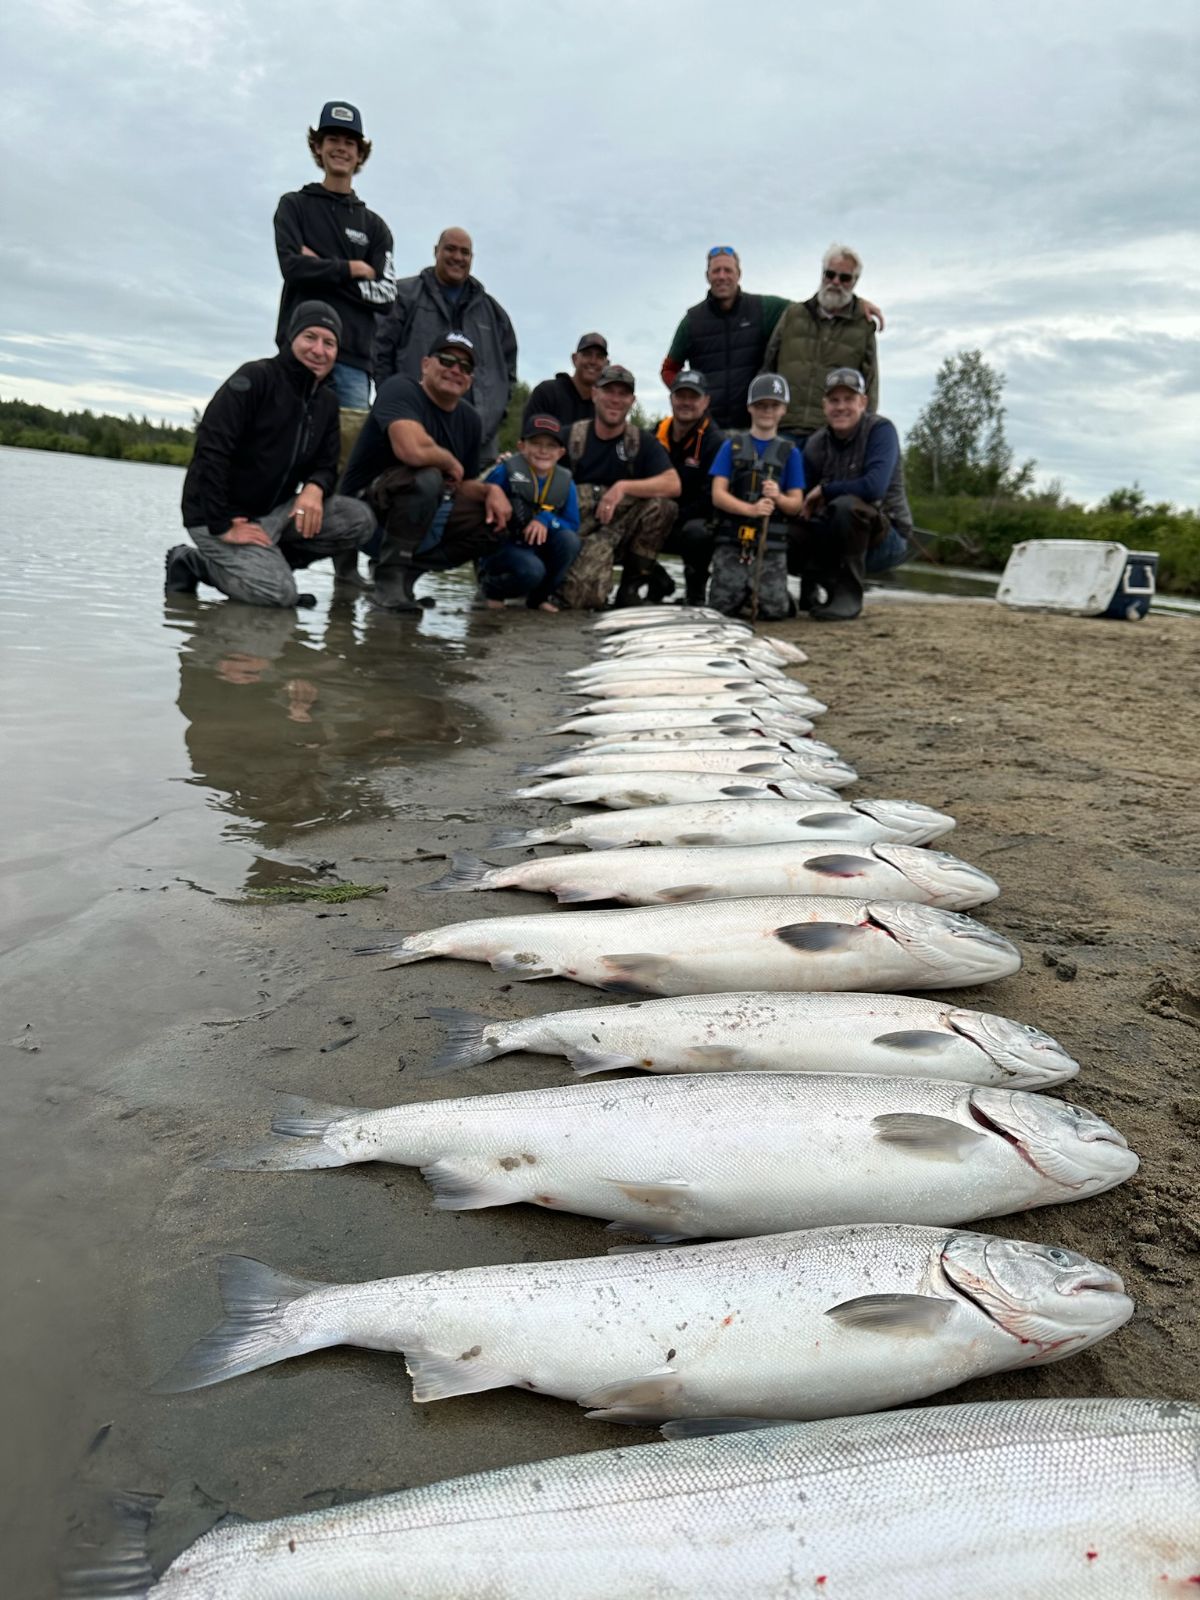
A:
[416,464]
[726,337]
[832,329]
[442,298]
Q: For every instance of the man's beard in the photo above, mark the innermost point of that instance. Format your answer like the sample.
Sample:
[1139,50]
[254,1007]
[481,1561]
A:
[832,297]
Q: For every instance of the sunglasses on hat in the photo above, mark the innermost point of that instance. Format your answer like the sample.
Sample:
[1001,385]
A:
[722,250]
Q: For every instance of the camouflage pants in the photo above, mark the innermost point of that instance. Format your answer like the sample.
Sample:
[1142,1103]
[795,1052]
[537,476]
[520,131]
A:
[637,533]
[731,585]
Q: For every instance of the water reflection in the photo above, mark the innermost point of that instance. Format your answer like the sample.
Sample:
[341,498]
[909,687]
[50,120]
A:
[288,725]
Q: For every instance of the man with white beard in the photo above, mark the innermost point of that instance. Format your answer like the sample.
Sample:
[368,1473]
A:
[813,337]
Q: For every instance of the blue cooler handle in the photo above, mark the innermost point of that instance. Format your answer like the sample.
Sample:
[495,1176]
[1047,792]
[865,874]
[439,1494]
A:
[1137,588]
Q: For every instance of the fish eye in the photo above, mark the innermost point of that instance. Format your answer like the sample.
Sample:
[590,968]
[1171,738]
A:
[1060,1258]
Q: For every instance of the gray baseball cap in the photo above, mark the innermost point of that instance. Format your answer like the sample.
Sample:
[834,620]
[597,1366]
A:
[845,378]
[769,386]
[689,378]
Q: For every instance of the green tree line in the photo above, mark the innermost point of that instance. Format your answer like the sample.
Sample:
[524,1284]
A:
[972,502]
[83,433]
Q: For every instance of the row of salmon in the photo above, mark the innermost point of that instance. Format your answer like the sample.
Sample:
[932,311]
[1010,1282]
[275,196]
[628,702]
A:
[875,1124]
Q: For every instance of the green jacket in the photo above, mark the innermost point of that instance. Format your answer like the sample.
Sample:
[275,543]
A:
[806,345]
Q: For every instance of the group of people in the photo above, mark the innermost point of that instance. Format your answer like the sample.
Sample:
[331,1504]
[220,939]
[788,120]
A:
[774,459]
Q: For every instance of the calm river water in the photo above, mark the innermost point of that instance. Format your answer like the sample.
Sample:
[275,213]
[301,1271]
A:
[156,753]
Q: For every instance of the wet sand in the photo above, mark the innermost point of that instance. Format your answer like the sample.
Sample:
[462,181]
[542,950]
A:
[1067,751]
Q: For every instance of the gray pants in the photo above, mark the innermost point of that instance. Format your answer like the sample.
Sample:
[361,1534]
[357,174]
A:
[261,577]
[731,585]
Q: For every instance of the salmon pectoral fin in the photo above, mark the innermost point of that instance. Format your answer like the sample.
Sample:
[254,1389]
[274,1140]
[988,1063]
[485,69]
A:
[902,1315]
[456,1189]
[687,891]
[701,838]
[660,1195]
[819,938]
[586,1062]
[643,1401]
[439,1377]
[844,866]
[934,1138]
[570,897]
[715,1057]
[705,1427]
[640,972]
[918,1041]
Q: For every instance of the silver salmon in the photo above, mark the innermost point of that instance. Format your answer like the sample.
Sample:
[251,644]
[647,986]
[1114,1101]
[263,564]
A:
[714,946]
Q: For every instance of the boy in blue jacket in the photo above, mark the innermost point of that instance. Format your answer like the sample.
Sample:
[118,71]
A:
[543,532]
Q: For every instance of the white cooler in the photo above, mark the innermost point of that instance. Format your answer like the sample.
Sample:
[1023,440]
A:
[1085,577]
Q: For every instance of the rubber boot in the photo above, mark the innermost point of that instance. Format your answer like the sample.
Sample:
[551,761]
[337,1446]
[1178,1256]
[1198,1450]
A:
[395,592]
[185,569]
[847,585]
[659,585]
[635,572]
[345,569]
[695,581]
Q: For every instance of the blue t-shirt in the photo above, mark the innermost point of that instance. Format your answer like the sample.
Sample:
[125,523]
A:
[793,470]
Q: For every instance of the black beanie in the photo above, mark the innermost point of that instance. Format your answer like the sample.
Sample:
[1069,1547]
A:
[314,314]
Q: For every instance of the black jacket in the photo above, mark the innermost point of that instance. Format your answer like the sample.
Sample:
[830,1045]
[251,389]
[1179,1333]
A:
[692,457]
[341,229]
[267,430]
[558,397]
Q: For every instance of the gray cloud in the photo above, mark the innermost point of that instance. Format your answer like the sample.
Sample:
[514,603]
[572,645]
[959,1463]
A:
[1019,180]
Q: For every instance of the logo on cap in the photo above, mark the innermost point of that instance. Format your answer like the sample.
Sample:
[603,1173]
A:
[341,113]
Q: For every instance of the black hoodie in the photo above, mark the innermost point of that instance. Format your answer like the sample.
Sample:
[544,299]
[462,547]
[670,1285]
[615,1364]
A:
[269,428]
[340,229]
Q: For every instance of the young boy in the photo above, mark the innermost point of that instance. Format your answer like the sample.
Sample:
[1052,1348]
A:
[543,532]
[758,481]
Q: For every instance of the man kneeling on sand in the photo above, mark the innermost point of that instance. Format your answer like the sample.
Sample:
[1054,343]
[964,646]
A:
[416,464]
[856,515]
[258,497]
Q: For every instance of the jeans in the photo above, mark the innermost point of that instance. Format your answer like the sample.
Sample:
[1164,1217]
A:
[532,570]
[892,552]
[352,386]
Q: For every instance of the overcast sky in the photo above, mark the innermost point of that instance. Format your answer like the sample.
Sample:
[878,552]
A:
[1020,177]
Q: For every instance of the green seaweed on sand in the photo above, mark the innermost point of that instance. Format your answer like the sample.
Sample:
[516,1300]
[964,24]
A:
[329,893]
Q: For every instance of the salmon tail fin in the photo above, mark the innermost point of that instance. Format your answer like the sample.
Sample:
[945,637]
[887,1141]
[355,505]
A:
[511,838]
[467,1043]
[255,1332]
[398,946]
[298,1131]
[467,872]
[119,1567]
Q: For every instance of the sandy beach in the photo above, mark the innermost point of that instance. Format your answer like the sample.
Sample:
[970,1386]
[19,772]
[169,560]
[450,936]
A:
[1065,748]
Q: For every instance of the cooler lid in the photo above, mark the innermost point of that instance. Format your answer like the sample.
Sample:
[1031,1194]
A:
[1075,575]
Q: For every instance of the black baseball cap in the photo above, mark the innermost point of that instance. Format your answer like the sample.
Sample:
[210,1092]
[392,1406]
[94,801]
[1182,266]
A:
[453,340]
[339,116]
[592,341]
[615,374]
[690,379]
[550,426]
[314,314]
[845,378]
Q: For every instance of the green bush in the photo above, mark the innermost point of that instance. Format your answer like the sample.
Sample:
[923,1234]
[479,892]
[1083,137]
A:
[963,531]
